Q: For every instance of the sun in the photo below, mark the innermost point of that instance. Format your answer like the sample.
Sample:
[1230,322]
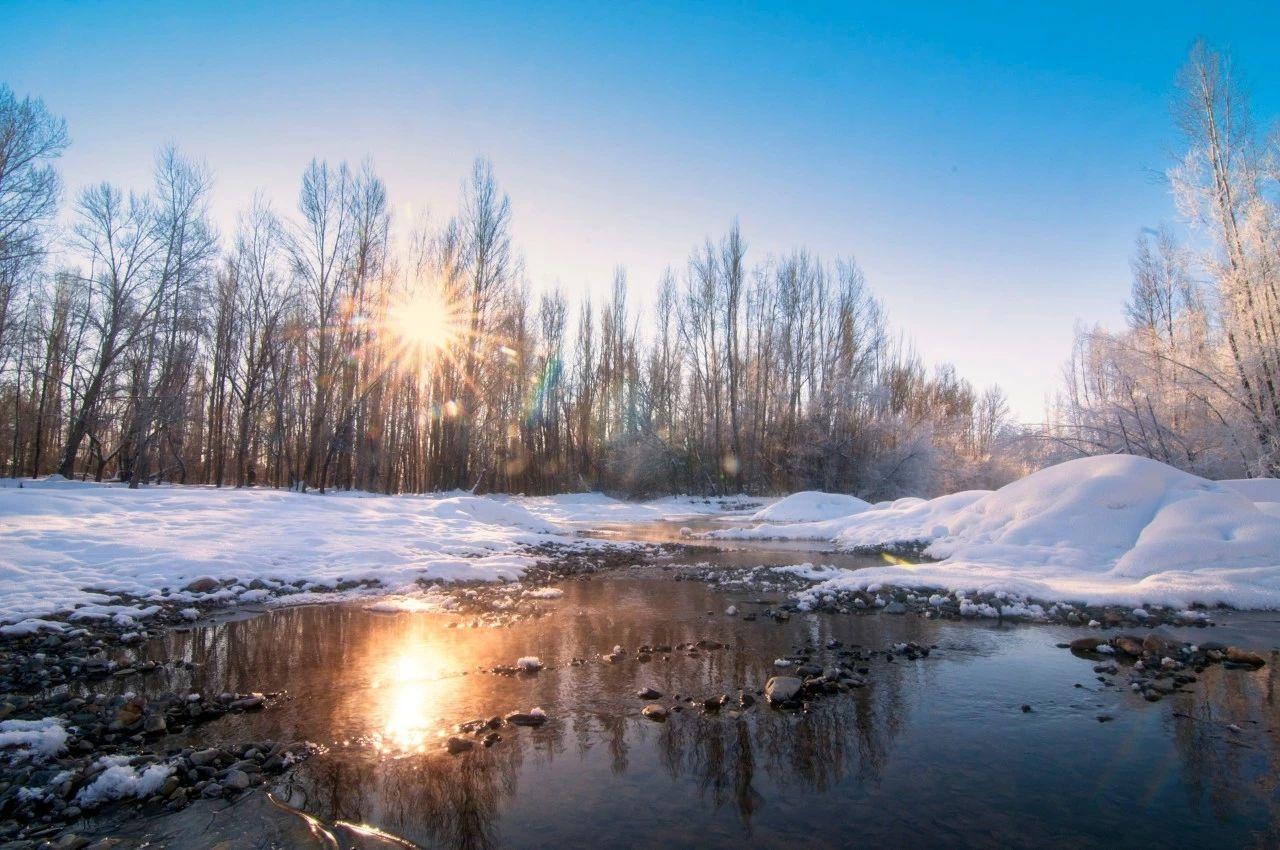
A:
[424,323]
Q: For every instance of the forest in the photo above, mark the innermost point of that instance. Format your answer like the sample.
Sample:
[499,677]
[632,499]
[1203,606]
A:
[309,349]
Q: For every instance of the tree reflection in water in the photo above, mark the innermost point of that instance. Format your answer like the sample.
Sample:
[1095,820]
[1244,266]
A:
[381,692]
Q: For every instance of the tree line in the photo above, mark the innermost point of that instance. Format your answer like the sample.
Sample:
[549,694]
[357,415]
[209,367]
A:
[1193,380]
[311,349]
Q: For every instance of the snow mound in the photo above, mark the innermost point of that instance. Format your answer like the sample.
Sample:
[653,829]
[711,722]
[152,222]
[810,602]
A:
[1255,489]
[1100,530]
[811,505]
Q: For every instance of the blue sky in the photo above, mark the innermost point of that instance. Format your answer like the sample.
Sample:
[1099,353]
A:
[988,164]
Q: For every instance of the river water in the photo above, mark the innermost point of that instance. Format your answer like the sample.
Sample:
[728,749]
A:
[936,751]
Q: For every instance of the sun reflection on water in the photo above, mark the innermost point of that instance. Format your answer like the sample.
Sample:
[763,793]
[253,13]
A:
[406,696]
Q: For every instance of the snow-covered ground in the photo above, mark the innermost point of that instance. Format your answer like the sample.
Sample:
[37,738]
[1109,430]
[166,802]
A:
[60,541]
[1101,530]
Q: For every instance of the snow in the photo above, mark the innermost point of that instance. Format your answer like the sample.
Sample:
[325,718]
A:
[21,740]
[30,627]
[66,544]
[529,663]
[1113,529]
[1255,489]
[120,780]
[810,505]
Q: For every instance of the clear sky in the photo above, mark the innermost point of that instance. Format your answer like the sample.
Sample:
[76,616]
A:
[988,164]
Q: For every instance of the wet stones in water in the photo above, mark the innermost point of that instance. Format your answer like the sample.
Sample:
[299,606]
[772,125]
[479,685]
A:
[1160,661]
[655,712]
[782,689]
[714,704]
[533,717]
[649,693]
[456,745]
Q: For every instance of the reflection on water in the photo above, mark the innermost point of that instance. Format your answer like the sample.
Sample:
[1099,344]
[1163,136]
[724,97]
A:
[935,751]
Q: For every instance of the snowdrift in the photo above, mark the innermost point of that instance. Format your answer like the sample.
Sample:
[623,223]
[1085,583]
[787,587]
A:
[1111,529]
[811,505]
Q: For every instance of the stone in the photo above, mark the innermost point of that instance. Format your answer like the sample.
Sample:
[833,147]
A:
[521,718]
[649,693]
[202,585]
[200,758]
[1086,644]
[1128,644]
[457,745]
[237,779]
[655,712]
[895,607]
[1236,655]
[782,688]
[1158,644]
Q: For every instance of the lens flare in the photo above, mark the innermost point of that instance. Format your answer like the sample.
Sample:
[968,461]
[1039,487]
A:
[424,323]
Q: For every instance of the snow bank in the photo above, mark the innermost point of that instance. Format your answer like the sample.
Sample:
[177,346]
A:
[811,505]
[1100,530]
[64,544]
[1255,489]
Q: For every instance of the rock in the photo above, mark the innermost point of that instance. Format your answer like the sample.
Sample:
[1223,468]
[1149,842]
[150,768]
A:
[731,611]
[71,841]
[649,693]
[895,607]
[655,712]
[237,779]
[715,703]
[520,718]
[200,758]
[1105,718]
[249,703]
[1026,709]
[155,724]
[202,585]
[213,789]
[1236,655]
[1086,644]
[782,688]
[1158,644]
[1128,644]
[457,745]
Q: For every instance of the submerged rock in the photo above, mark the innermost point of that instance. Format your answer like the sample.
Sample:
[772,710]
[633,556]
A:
[781,689]
[655,712]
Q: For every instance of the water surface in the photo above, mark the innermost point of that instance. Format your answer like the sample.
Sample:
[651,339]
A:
[933,751]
